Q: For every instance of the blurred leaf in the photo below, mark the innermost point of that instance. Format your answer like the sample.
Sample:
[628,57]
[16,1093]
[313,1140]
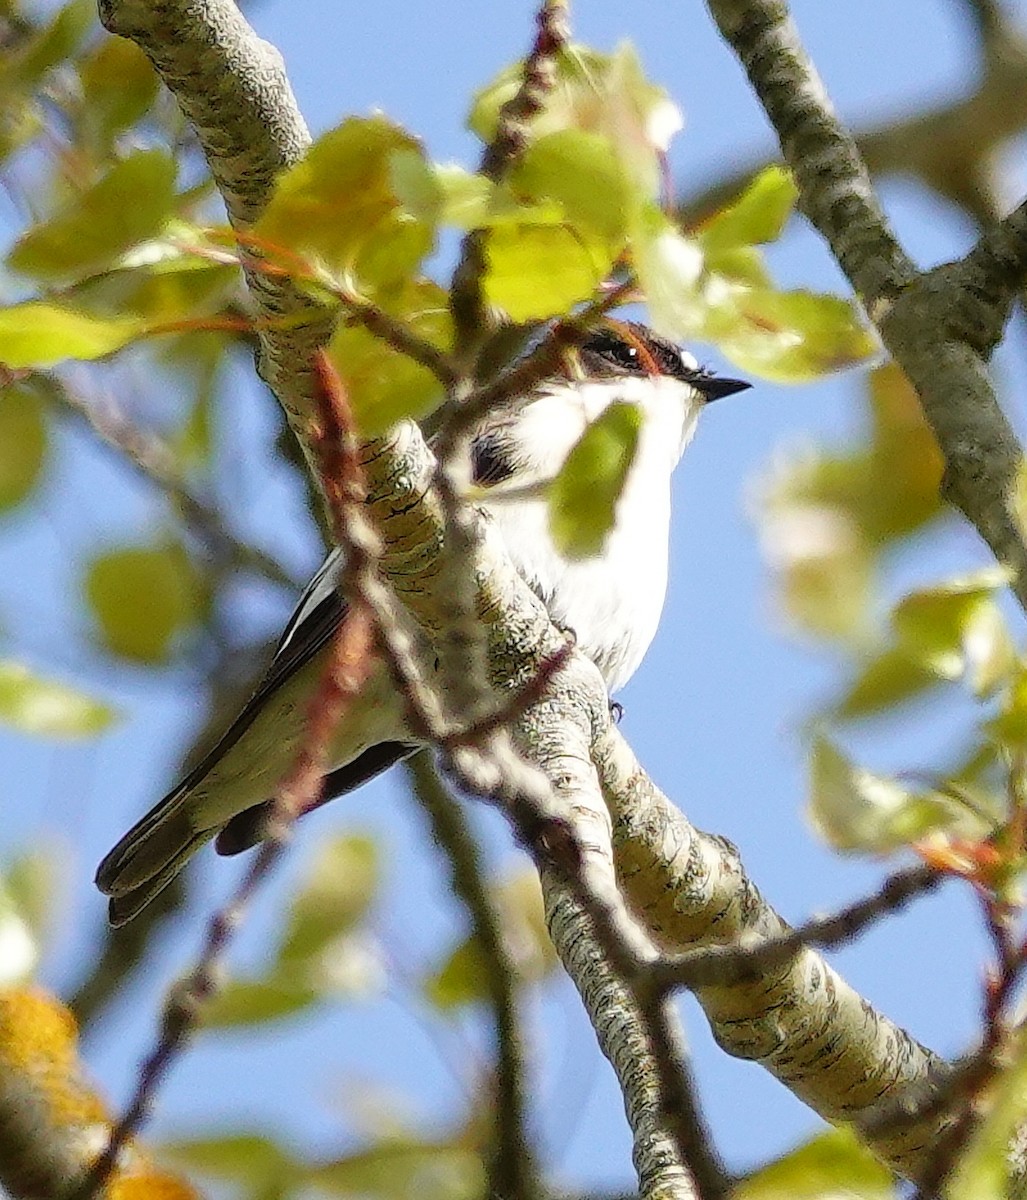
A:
[985,1170]
[536,271]
[668,266]
[404,1168]
[462,979]
[143,598]
[118,87]
[757,216]
[338,205]
[51,45]
[583,497]
[382,385]
[582,173]
[440,194]
[130,204]
[824,568]
[19,953]
[335,896]
[854,809]
[1009,727]
[161,285]
[23,438]
[902,491]
[246,1158]
[40,706]
[831,1166]
[41,335]
[956,628]
[605,94]
[31,880]
[886,680]
[252,1001]
[789,337]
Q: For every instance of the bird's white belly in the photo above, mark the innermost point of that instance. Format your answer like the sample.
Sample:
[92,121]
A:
[611,602]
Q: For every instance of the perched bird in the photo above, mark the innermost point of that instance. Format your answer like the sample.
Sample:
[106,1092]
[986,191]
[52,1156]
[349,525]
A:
[612,602]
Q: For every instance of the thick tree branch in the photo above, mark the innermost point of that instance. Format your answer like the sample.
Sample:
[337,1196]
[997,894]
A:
[921,317]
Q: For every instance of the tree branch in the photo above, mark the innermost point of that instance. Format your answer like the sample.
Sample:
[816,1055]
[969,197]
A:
[920,316]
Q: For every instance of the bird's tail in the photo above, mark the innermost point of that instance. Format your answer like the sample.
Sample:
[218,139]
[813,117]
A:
[149,856]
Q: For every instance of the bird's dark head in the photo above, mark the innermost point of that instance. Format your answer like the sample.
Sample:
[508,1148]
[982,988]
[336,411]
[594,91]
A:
[620,348]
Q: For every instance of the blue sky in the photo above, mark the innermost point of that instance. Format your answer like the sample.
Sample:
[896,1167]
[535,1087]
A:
[715,712]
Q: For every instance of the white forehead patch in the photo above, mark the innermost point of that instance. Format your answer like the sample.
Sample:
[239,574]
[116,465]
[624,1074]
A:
[689,361]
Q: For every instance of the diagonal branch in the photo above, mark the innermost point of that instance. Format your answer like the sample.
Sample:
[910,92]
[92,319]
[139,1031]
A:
[922,318]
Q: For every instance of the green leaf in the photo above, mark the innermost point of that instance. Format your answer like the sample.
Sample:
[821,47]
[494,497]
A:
[50,46]
[40,706]
[835,1164]
[538,271]
[143,599]
[23,438]
[789,337]
[887,680]
[384,386]
[985,1170]
[404,1167]
[338,206]
[41,335]
[854,809]
[129,205]
[583,497]
[582,173]
[668,266]
[957,628]
[118,87]
[462,978]
[605,94]
[19,952]
[757,216]
[31,882]
[246,1158]
[335,896]
[252,1001]
[440,194]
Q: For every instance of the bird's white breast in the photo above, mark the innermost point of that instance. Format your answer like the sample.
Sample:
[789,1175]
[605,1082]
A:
[613,601]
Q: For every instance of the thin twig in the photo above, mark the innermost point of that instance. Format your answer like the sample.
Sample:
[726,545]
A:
[344,674]
[512,1171]
[539,75]
[751,955]
[154,460]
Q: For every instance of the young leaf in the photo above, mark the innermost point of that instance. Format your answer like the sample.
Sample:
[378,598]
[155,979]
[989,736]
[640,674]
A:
[757,216]
[142,599]
[382,384]
[40,706]
[334,898]
[129,205]
[582,173]
[583,497]
[956,628]
[41,335]
[538,271]
[669,267]
[789,337]
[339,207]
[834,1164]
[22,444]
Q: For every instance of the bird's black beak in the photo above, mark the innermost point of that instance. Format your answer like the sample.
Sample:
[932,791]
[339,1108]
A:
[716,388]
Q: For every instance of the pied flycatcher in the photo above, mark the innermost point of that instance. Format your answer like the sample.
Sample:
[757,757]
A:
[612,602]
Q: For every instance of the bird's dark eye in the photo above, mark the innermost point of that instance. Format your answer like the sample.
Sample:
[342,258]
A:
[613,352]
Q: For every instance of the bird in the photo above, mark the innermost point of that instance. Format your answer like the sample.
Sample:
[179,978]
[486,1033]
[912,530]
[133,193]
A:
[611,602]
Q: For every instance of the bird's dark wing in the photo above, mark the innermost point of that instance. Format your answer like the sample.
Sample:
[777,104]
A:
[315,619]
[248,828]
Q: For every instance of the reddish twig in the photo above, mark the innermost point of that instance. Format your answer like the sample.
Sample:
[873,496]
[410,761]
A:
[345,673]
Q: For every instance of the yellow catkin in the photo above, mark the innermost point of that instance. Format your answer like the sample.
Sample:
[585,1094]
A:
[39,1054]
